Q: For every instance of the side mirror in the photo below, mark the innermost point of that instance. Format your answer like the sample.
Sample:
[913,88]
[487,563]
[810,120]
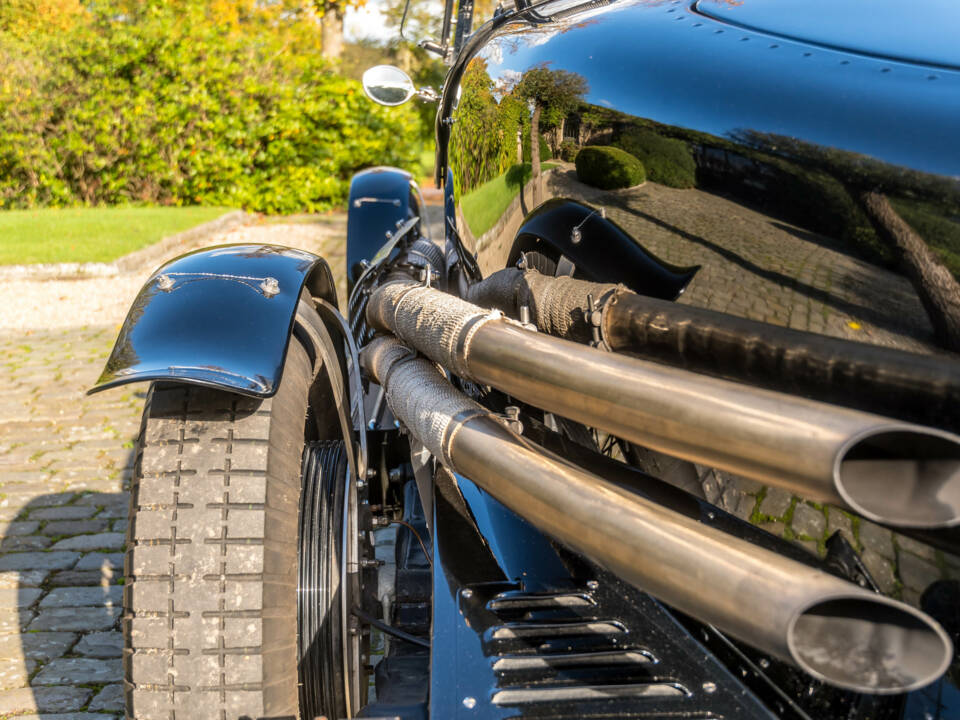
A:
[389,85]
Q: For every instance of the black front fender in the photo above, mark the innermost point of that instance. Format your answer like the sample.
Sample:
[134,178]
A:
[220,317]
[604,252]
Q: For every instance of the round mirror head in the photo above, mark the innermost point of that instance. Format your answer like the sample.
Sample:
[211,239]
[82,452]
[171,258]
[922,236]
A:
[388,85]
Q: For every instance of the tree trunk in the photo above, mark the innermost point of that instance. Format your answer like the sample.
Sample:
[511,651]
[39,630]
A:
[938,289]
[520,147]
[535,154]
[332,33]
[405,58]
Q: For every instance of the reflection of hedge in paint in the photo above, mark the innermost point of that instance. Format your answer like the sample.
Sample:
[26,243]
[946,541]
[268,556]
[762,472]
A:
[667,161]
[545,152]
[475,143]
[608,168]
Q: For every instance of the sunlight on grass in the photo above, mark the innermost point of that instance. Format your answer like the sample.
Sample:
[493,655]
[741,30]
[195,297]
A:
[484,206]
[91,234]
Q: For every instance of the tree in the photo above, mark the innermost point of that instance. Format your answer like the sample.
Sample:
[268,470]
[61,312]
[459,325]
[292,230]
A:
[937,288]
[22,18]
[553,95]
[331,14]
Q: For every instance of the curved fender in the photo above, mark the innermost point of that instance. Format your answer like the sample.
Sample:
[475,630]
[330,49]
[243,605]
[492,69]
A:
[379,197]
[220,317]
[600,249]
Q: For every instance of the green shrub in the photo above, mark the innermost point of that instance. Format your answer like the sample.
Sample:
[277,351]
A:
[545,152]
[668,161]
[568,150]
[608,168]
[164,106]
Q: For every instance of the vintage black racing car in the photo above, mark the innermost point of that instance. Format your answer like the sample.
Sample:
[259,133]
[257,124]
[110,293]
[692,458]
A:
[662,426]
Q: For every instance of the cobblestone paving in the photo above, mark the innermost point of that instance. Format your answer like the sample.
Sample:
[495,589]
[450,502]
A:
[65,465]
[65,461]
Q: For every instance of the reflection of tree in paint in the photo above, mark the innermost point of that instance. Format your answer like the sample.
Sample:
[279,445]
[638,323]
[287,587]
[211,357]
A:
[485,140]
[553,95]
[476,140]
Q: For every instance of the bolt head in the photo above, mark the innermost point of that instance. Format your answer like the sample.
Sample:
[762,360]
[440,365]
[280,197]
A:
[467,593]
[270,287]
[469,702]
[592,584]
[165,283]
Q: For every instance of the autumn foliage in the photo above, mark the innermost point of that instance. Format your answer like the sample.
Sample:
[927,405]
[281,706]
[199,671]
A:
[183,102]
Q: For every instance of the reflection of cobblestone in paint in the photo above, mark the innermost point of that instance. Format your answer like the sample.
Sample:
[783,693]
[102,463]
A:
[756,266]
[901,566]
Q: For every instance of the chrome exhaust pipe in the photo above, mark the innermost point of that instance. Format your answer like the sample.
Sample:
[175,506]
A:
[837,632]
[886,470]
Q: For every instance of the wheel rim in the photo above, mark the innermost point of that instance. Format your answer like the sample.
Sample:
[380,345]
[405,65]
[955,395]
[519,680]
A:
[322,596]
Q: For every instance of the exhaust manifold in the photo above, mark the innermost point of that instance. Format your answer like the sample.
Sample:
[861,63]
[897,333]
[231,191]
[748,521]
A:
[886,470]
[832,629]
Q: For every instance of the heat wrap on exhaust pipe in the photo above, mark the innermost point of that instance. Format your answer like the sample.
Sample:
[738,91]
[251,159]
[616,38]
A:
[833,629]
[923,388]
[884,469]
[423,317]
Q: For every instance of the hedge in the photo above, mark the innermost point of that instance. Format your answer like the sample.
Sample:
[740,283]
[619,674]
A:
[668,161]
[168,108]
[568,150]
[608,168]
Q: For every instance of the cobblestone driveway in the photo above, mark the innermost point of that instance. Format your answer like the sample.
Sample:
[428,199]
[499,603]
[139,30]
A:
[65,464]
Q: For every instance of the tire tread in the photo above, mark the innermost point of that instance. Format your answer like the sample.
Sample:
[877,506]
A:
[211,553]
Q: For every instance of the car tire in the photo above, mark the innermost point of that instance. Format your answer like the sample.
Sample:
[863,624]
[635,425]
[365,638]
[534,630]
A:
[210,601]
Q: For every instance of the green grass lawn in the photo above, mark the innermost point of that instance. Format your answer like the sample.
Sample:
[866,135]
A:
[91,234]
[484,206]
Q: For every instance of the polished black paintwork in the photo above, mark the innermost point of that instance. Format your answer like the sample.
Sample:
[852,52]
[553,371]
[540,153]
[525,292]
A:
[215,326]
[918,32]
[379,197]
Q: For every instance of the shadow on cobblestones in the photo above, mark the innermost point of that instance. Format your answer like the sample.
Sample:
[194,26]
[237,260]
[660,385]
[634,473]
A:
[61,585]
[65,463]
[821,295]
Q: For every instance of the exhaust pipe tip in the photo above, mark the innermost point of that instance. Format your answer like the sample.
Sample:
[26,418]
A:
[870,644]
[902,475]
